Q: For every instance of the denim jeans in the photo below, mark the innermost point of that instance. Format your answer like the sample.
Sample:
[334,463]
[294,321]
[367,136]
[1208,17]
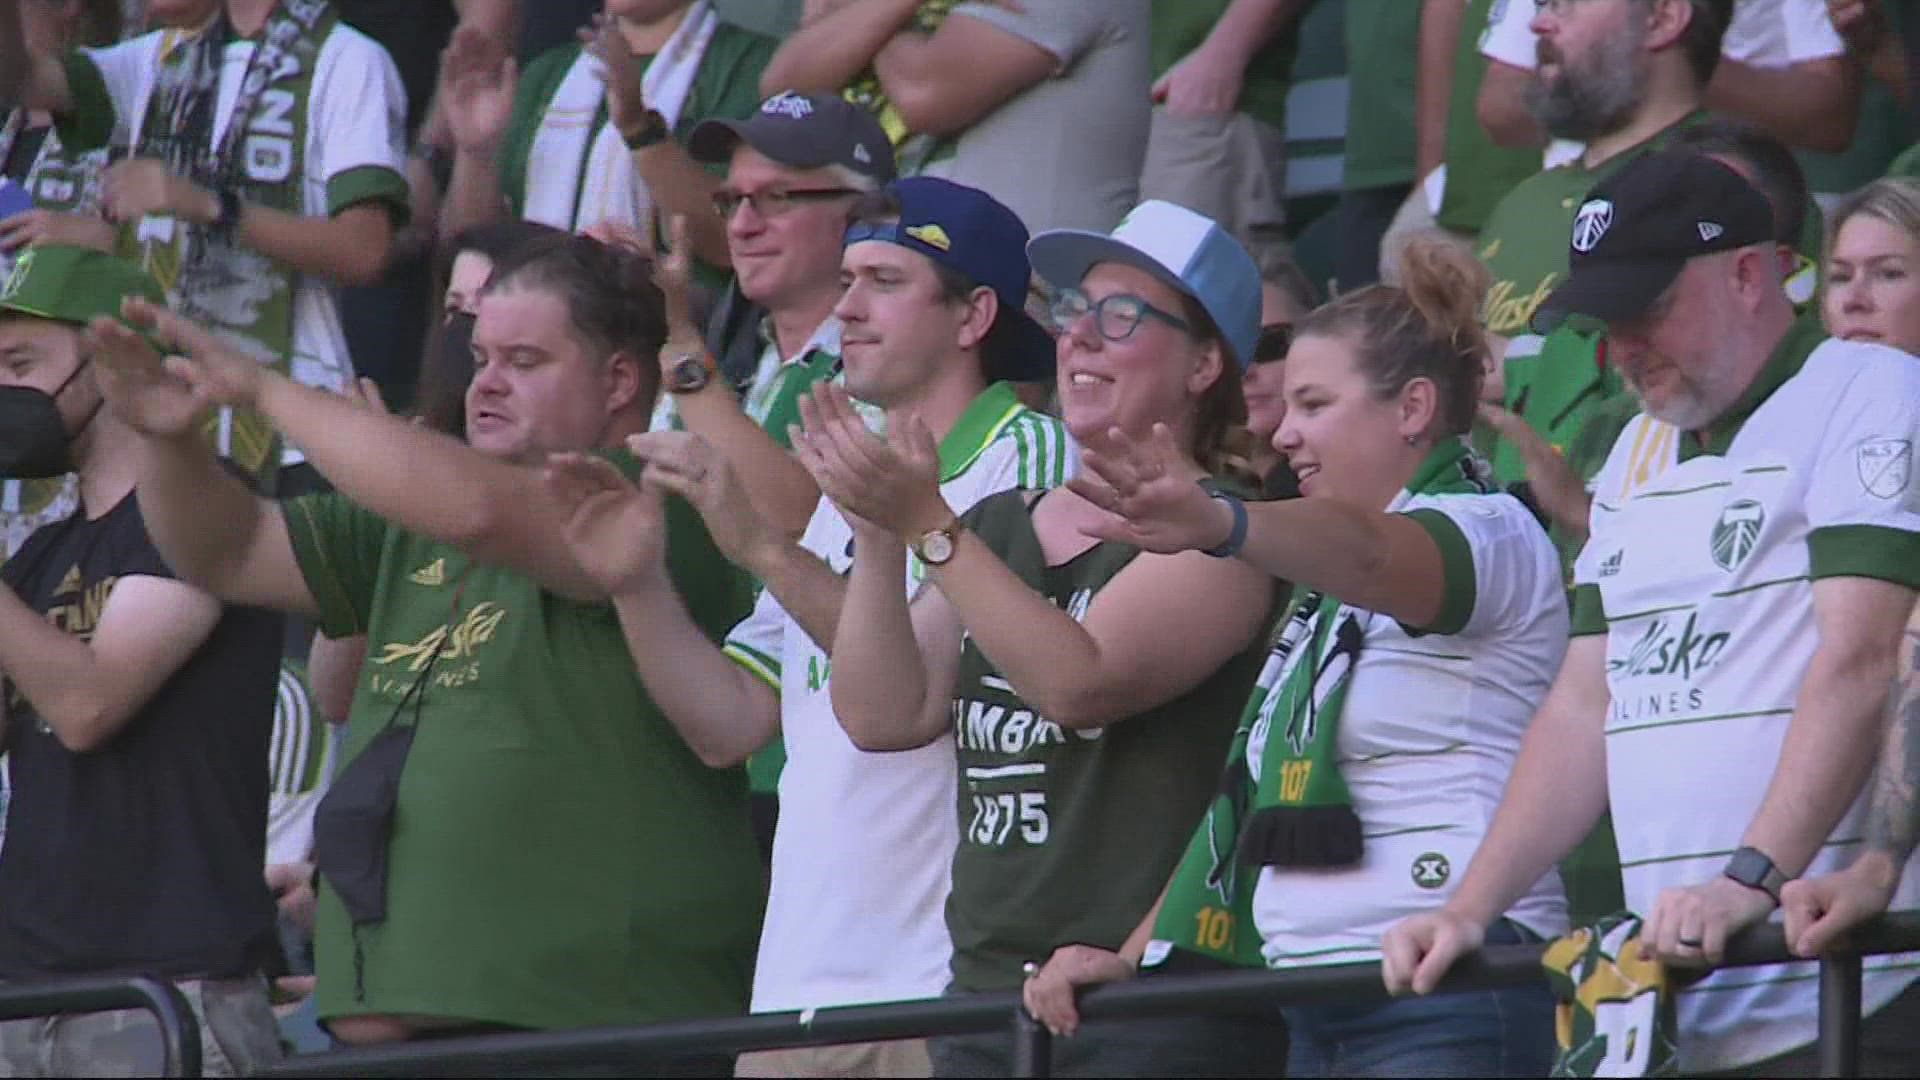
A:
[1484,1033]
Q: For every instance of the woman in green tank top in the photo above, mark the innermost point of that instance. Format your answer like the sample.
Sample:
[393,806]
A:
[1090,688]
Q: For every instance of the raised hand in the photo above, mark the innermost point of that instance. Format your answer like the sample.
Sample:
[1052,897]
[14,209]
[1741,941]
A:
[602,40]
[477,82]
[1050,993]
[891,483]
[615,530]
[138,385]
[688,465]
[139,187]
[217,370]
[1150,494]
[1417,951]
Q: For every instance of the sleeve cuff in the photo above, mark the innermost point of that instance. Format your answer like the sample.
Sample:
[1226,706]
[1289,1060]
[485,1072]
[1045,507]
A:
[1456,564]
[757,663]
[1589,611]
[1866,551]
[337,616]
[89,125]
[369,183]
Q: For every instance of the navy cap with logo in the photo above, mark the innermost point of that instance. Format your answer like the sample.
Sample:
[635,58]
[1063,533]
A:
[1638,227]
[801,131]
[972,232]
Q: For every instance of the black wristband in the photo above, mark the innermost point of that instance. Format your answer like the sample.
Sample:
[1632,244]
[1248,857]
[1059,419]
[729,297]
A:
[652,130]
[1236,536]
[227,221]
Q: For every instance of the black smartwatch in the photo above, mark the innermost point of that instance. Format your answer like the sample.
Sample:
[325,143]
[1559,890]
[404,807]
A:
[228,219]
[652,129]
[1752,868]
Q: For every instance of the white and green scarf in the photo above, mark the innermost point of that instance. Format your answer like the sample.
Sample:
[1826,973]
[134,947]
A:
[1303,814]
[579,170]
[245,296]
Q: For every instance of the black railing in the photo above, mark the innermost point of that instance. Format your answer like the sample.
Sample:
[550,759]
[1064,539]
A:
[179,1032]
[633,1048]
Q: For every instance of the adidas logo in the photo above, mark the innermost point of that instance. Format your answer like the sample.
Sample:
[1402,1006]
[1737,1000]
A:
[1611,566]
[69,584]
[432,575]
[1708,230]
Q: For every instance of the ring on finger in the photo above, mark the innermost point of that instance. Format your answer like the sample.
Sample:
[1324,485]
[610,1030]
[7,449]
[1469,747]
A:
[1686,942]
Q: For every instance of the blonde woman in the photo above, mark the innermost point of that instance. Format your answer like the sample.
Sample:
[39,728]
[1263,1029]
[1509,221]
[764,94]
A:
[1873,266]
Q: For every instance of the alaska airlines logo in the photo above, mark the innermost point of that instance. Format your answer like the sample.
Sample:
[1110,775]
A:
[1661,651]
[1507,314]
[450,643]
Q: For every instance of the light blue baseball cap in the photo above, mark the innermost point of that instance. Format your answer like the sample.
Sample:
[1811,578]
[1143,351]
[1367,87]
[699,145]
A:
[1190,252]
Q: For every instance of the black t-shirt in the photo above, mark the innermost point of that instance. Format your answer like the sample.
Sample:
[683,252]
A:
[413,32]
[146,855]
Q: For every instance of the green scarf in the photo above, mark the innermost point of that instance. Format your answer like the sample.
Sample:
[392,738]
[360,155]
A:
[1303,813]
[246,297]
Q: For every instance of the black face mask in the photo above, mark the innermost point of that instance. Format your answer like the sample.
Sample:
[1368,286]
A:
[34,443]
[456,346]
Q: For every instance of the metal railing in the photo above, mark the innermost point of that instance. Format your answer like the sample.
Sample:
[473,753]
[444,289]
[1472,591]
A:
[179,1031]
[1493,967]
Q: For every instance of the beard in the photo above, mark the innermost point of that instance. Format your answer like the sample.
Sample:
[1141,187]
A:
[1591,95]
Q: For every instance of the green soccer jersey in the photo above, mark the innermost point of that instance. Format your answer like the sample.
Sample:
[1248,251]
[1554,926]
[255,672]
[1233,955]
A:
[1479,173]
[559,857]
[1381,36]
[1069,836]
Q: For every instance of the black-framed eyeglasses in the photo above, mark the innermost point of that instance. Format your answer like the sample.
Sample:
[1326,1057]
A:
[774,201]
[1274,341]
[1116,316]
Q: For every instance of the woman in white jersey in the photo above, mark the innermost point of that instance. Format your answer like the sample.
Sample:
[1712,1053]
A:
[1089,688]
[1873,266]
[1428,622]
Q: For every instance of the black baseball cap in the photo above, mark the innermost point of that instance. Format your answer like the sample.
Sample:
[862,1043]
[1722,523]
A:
[801,131]
[1638,228]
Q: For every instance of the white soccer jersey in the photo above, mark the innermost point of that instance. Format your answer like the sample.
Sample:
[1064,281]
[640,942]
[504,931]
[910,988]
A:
[863,853]
[1428,735]
[1764,33]
[355,122]
[1705,568]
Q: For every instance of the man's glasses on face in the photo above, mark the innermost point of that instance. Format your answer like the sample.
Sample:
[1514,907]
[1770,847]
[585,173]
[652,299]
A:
[774,201]
[1272,344]
[1116,316]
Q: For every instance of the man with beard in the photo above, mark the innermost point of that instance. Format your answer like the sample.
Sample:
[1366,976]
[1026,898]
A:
[1621,76]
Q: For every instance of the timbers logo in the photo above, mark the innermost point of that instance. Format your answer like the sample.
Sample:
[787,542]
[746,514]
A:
[1736,533]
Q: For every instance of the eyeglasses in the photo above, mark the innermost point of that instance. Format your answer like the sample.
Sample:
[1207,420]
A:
[1116,316]
[1274,341]
[1553,7]
[774,201]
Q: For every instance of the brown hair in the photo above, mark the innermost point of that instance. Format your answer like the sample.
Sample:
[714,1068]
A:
[611,299]
[1427,327]
[1220,442]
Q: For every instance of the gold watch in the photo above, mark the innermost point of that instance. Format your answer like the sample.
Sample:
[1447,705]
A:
[936,546]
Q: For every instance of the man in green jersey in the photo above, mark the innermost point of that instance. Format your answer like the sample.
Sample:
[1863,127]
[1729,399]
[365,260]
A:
[542,792]
[1581,91]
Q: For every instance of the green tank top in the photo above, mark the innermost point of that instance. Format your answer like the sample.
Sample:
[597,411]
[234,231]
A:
[1068,836]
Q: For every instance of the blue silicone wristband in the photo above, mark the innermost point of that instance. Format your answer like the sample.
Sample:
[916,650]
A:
[1237,536]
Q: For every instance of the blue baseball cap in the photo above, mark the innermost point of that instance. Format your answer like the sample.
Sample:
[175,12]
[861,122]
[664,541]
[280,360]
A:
[972,232]
[1188,252]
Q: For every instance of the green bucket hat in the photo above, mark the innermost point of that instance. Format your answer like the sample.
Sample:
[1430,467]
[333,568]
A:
[73,284]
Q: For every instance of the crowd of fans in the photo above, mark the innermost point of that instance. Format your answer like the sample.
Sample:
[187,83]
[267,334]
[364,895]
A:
[537,514]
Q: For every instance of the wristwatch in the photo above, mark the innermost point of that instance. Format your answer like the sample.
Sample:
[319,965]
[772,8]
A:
[653,128]
[688,371]
[1752,868]
[936,546]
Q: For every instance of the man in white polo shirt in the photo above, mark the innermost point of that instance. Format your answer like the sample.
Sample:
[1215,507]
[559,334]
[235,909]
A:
[934,325]
[1735,622]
